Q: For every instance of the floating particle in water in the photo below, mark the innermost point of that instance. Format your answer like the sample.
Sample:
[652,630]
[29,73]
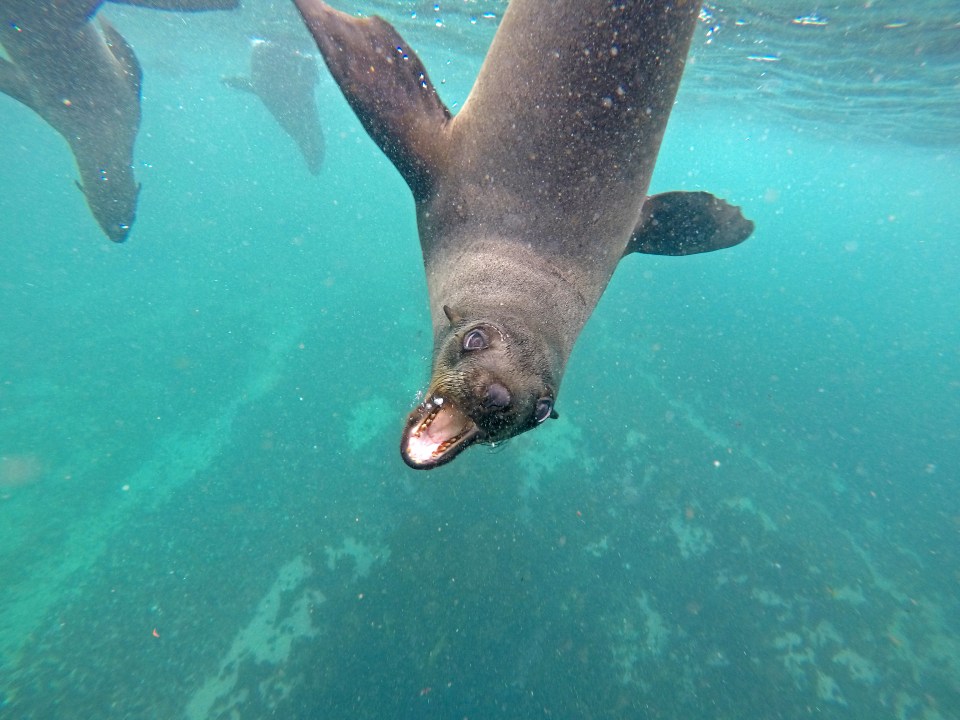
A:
[810,20]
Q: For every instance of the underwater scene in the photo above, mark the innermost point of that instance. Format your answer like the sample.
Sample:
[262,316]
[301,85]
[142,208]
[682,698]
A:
[748,506]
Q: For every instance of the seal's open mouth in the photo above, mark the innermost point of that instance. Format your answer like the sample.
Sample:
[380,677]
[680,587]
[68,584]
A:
[436,432]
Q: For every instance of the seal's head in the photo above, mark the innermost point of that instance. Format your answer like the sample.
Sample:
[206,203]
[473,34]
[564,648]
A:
[113,201]
[490,382]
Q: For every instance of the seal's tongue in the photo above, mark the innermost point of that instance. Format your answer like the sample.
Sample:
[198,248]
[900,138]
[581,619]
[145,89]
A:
[436,432]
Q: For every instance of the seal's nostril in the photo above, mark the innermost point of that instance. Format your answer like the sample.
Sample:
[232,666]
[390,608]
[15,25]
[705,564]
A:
[497,396]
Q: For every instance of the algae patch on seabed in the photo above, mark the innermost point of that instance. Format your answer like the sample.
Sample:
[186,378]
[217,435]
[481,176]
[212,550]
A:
[642,638]
[363,556]
[265,643]
[367,420]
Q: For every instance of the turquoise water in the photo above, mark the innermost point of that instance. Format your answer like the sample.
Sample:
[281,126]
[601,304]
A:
[748,508]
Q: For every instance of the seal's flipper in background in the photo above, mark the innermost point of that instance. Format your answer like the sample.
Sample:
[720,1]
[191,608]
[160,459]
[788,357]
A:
[124,55]
[238,82]
[285,80]
[386,85]
[13,83]
[84,10]
[686,223]
[179,5]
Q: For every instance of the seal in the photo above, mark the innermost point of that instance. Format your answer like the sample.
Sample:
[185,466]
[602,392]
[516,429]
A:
[85,83]
[284,79]
[528,199]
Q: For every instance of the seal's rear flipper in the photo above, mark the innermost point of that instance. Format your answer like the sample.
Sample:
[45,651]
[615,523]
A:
[387,87]
[685,223]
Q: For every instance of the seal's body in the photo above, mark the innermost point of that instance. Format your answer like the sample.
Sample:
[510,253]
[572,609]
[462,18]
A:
[528,199]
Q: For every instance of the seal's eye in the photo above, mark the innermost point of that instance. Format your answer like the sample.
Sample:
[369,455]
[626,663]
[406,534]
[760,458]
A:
[476,339]
[544,409]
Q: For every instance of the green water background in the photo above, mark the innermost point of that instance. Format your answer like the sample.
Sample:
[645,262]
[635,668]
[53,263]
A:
[747,509]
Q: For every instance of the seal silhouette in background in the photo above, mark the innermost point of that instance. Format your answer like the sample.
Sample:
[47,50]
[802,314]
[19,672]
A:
[285,80]
[85,83]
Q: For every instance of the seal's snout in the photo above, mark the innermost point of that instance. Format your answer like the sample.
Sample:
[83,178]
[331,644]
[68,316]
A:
[117,232]
[436,432]
[497,396]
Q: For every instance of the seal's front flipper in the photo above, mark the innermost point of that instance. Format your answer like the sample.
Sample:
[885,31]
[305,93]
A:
[121,50]
[387,87]
[685,223]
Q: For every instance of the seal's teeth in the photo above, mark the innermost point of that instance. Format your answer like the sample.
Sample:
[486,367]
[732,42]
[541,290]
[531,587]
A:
[437,430]
[426,422]
[447,444]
